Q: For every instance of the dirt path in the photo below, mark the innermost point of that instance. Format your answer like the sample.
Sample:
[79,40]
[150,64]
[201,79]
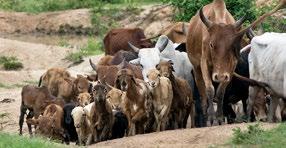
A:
[198,137]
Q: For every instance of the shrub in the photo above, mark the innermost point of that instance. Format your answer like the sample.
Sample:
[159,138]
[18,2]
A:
[238,8]
[241,137]
[10,63]
[92,48]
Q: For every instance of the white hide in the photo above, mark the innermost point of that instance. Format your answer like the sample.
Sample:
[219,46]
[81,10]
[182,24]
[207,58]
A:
[182,65]
[267,60]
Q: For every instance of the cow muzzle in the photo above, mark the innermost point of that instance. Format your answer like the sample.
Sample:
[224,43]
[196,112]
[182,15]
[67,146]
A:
[224,77]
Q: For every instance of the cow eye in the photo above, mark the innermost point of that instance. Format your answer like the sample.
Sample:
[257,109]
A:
[211,45]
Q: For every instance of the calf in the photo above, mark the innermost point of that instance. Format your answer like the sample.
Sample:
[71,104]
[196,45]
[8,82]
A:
[116,97]
[50,124]
[35,100]
[136,106]
[182,104]
[101,115]
[117,39]
[82,124]
[162,96]
[68,123]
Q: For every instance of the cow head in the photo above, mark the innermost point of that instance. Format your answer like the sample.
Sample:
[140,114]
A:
[260,105]
[166,68]
[124,80]
[177,32]
[223,43]
[148,58]
[83,99]
[115,97]
[99,93]
[153,78]
[81,84]
[67,113]
[78,114]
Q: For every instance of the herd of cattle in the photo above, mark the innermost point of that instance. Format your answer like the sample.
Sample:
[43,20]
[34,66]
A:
[141,87]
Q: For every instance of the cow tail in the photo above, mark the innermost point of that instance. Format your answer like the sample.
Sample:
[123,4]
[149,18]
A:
[40,81]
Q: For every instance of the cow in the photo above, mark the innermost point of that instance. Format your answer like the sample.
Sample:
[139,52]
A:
[176,32]
[117,39]
[213,45]
[267,62]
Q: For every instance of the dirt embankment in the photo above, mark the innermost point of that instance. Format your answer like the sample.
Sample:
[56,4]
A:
[194,138]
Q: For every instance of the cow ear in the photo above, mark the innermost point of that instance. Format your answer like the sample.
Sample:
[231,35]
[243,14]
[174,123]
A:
[171,62]
[92,77]
[79,76]
[133,79]
[158,67]
[117,84]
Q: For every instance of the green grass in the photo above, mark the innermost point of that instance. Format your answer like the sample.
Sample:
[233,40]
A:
[15,141]
[255,136]
[36,6]
[19,85]
[93,47]
[10,63]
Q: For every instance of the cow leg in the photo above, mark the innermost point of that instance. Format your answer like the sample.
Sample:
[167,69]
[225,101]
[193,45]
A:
[29,116]
[252,94]
[202,91]
[272,108]
[23,110]
[192,114]
[220,95]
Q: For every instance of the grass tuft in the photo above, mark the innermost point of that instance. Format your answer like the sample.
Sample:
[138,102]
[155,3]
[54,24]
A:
[255,136]
[92,48]
[15,141]
[10,63]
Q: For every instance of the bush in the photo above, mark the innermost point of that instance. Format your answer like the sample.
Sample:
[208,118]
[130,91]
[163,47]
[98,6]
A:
[92,48]
[241,137]
[238,8]
[10,63]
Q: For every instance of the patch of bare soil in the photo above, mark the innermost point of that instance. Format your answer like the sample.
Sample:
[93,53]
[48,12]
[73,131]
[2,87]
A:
[70,21]
[152,19]
[197,137]
[34,56]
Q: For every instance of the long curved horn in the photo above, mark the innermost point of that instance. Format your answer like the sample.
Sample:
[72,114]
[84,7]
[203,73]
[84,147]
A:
[238,23]
[122,64]
[185,28]
[164,45]
[135,49]
[281,5]
[206,21]
[93,66]
[250,34]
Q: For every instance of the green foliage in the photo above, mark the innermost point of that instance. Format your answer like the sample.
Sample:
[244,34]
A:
[16,141]
[92,48]
[10,63]
[245,136]
[254,136]
[36,6]
[186,9]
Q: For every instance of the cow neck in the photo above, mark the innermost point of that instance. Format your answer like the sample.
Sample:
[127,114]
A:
[101,107]
[132,92]
[219,8]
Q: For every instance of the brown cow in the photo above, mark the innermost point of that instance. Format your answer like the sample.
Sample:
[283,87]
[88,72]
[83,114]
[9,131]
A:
[117,39]
[50,124]
[108,73]
[35,99]
[213,44]
[177,32]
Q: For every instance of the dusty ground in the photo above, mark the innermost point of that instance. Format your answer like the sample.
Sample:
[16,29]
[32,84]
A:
[198,137]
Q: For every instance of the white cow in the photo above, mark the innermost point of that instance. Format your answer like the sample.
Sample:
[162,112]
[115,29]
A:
[165,50]
[267,63]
